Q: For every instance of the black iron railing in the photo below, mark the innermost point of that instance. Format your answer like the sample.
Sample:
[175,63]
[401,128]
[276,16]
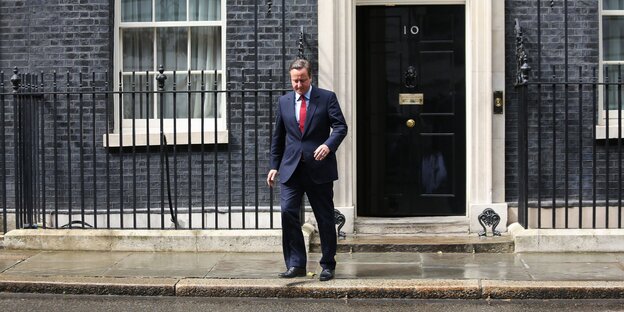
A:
[69,159]
[568,175]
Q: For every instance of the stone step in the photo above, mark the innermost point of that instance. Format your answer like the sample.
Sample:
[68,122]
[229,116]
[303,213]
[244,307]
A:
[420,243]
[415,226]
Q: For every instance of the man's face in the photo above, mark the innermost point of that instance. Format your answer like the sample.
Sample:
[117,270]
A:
[300,80]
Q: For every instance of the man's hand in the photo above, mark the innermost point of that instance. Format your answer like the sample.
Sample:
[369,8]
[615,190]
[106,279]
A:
[321,152]
[271,177]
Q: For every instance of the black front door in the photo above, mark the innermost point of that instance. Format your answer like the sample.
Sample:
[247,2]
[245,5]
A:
[411,110]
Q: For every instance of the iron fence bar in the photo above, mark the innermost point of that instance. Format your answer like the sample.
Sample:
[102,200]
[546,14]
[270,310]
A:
[256,186]
[148,187]
[121,160]
[607,151]
[41,134]
[215,150]
[161,105]
[554,149]
[566,152]
[24,157]
[580,147]
[243,129]
[134,166]
[34,156]
[30,147]
[270,144]
[203,145]
[594,156]
[69,161]
[229,150]
[93,160]
[107,126]
[175,150]
[81,148]
[539,151]
[188,136]
[522,160]
[55,149]
[619,146]
[3,172]
[566,143]
[16,159]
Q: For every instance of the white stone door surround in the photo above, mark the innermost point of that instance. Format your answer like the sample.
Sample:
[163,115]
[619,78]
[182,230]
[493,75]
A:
[484,73]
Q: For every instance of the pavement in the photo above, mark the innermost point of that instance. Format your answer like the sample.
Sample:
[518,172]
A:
[358,275]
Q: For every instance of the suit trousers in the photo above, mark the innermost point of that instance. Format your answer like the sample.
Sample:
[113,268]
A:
[321,198]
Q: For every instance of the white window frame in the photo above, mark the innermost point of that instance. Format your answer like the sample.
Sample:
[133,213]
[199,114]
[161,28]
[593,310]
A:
[182,134]
[601,128]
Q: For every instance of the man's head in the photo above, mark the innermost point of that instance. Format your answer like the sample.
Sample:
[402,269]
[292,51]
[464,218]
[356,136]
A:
[300,75]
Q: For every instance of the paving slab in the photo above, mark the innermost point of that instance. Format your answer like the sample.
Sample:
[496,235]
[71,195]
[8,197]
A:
[379,257]
[379,271]
[10,259]
[256,265]
[90,263]
[580,257]
[469,260]
[165,264]
[513,273]
[338,288]
[577,271]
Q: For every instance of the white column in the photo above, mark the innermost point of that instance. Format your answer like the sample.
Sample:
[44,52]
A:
[479,104]
[336,29]
[479,139]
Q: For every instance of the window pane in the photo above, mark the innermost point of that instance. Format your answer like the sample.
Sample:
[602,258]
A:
[171,10]
[205,10]
[206,48]
[138,49]
[136,103]
[136,10]
[613,43]
[613,4]
[172,51]
[611,93]
[179,102]
[209,98]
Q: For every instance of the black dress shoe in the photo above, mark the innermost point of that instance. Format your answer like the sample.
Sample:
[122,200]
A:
[293,272]
[326,275]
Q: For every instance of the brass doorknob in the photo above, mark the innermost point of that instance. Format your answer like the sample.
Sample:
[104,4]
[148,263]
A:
[410,123]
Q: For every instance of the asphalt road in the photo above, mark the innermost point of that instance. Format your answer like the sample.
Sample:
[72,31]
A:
[70,303]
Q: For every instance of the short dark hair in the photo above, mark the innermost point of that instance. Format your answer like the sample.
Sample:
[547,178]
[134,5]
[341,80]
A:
[299,64]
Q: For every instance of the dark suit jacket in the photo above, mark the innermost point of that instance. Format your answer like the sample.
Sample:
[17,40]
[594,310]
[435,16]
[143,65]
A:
[289,144]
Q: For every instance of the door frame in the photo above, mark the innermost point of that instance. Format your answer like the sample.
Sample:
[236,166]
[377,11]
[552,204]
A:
[485,72]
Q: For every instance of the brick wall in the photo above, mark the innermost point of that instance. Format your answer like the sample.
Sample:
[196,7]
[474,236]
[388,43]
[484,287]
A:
[74,36]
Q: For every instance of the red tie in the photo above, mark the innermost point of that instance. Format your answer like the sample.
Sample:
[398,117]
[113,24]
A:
[302,113]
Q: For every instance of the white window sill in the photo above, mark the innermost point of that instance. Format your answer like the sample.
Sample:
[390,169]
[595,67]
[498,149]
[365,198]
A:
[154,138]
[601,131]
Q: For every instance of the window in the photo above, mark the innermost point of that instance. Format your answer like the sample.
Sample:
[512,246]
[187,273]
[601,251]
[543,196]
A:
[611,63]
[185,36]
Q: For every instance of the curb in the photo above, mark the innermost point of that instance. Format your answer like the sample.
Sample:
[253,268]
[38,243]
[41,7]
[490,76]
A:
[553,289]
[307,288]
[351,288]
[89,285]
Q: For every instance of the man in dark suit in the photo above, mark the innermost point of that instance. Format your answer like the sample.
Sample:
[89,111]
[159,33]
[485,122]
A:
[303,150]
